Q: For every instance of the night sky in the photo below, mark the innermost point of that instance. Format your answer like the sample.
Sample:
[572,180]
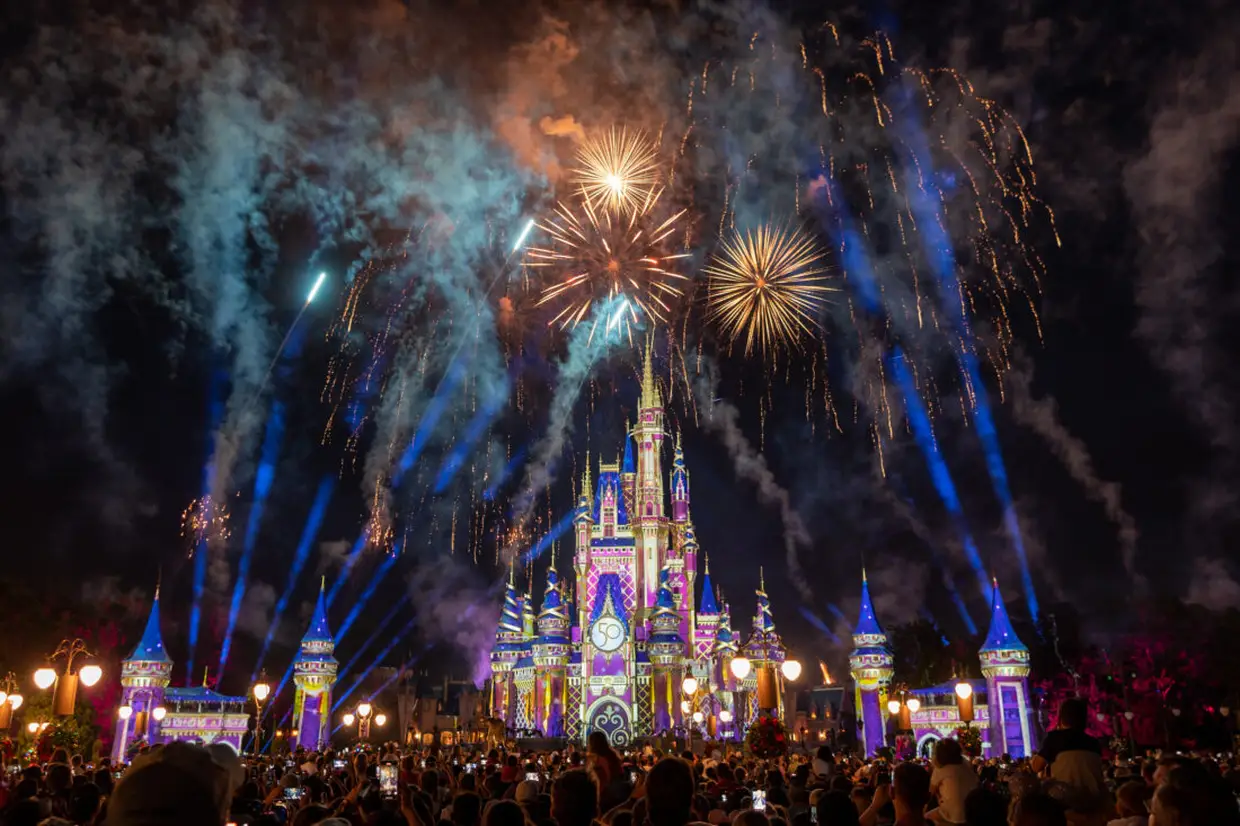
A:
[173,182]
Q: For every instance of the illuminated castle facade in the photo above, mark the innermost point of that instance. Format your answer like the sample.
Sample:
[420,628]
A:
[999,701]
[611,651]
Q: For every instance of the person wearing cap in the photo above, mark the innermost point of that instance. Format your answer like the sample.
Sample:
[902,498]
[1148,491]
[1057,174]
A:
[177,784]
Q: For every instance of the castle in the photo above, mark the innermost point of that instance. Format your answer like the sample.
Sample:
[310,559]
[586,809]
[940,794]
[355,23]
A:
[153,712]
[614,654]
[999,702]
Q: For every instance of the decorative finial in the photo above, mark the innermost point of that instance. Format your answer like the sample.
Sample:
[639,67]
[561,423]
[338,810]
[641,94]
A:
[706,561]
[512,570]
[323,584]
[159,579]
[863,579]
[206,670]
[761,580]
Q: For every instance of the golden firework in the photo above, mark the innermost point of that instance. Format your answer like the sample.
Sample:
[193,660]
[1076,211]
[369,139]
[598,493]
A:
[617,170]
[203,520]
[616,263]
[767,285]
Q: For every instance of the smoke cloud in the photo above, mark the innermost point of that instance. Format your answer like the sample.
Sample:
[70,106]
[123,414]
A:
[723,419]
[456,608]
[1212,586]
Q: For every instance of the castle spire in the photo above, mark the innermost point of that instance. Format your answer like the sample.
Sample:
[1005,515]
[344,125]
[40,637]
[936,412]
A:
[650,393]
[150,648]
[1002,637]
[708,606]
[867,622]
[319,630]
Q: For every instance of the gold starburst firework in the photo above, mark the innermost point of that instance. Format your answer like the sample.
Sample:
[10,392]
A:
[204,521]
[611,260]
[617,170]
[767,285]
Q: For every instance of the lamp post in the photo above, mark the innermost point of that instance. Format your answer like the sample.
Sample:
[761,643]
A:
[740,670]
[903,706]
[66,681]
[365,715]
[10,700]
[262,690]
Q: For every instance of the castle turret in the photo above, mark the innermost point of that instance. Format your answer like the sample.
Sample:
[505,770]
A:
[314,674]
[667,651]
[583,520]
[871,665]
[706,624]
[680,485]
[145,675]
[1005,665]
[766,652]
[507,649]
[551,654]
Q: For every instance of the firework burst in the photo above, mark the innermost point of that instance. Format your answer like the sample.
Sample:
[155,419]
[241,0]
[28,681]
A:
[205,521]
[617,170]
[595,258]
[768,286]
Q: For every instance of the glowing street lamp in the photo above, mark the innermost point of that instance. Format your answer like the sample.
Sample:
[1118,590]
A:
[380,719]
[44,677]
[791,670]
[964,701]
[125,712]
[262,690]
[66,682]
[159,713]
[740,667]
[10,700]
[364,715]
[689,686]
[348,718]
[725,716]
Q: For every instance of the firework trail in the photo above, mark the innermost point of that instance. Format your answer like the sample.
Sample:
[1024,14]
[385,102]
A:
[723,418]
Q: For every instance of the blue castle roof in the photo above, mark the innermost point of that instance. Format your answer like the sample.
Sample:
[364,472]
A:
[150,649]
[628,466]
[319,630]
[201,694]
[609,591]
[610,479]
[708,606]
[510,617]
[1001,636]
[551,597]
[867,622]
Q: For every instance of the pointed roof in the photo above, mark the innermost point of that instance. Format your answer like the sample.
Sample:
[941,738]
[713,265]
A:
[708,605]
[763,621]
[867,622]
[609,483]
[678,460]
[319,631]
[650,391]
[510,616]
[664,602]
[150,649]
[1001,637]
[690,543]
[552,605]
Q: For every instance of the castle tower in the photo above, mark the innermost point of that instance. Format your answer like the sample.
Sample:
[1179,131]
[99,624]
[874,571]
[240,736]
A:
[1005,665]
[506,651]
[145,675]
[871,667]
[766,652]
[648,517]
[706,625]
[667,653]
[551,651]
[314,674]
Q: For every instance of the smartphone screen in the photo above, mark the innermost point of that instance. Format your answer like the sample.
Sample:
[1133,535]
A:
[292,793]
[470,767]
[759,800]
[387,780]
[339,764]
[532,776]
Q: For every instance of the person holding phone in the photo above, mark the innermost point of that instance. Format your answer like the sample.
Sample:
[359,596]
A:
[908,792]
